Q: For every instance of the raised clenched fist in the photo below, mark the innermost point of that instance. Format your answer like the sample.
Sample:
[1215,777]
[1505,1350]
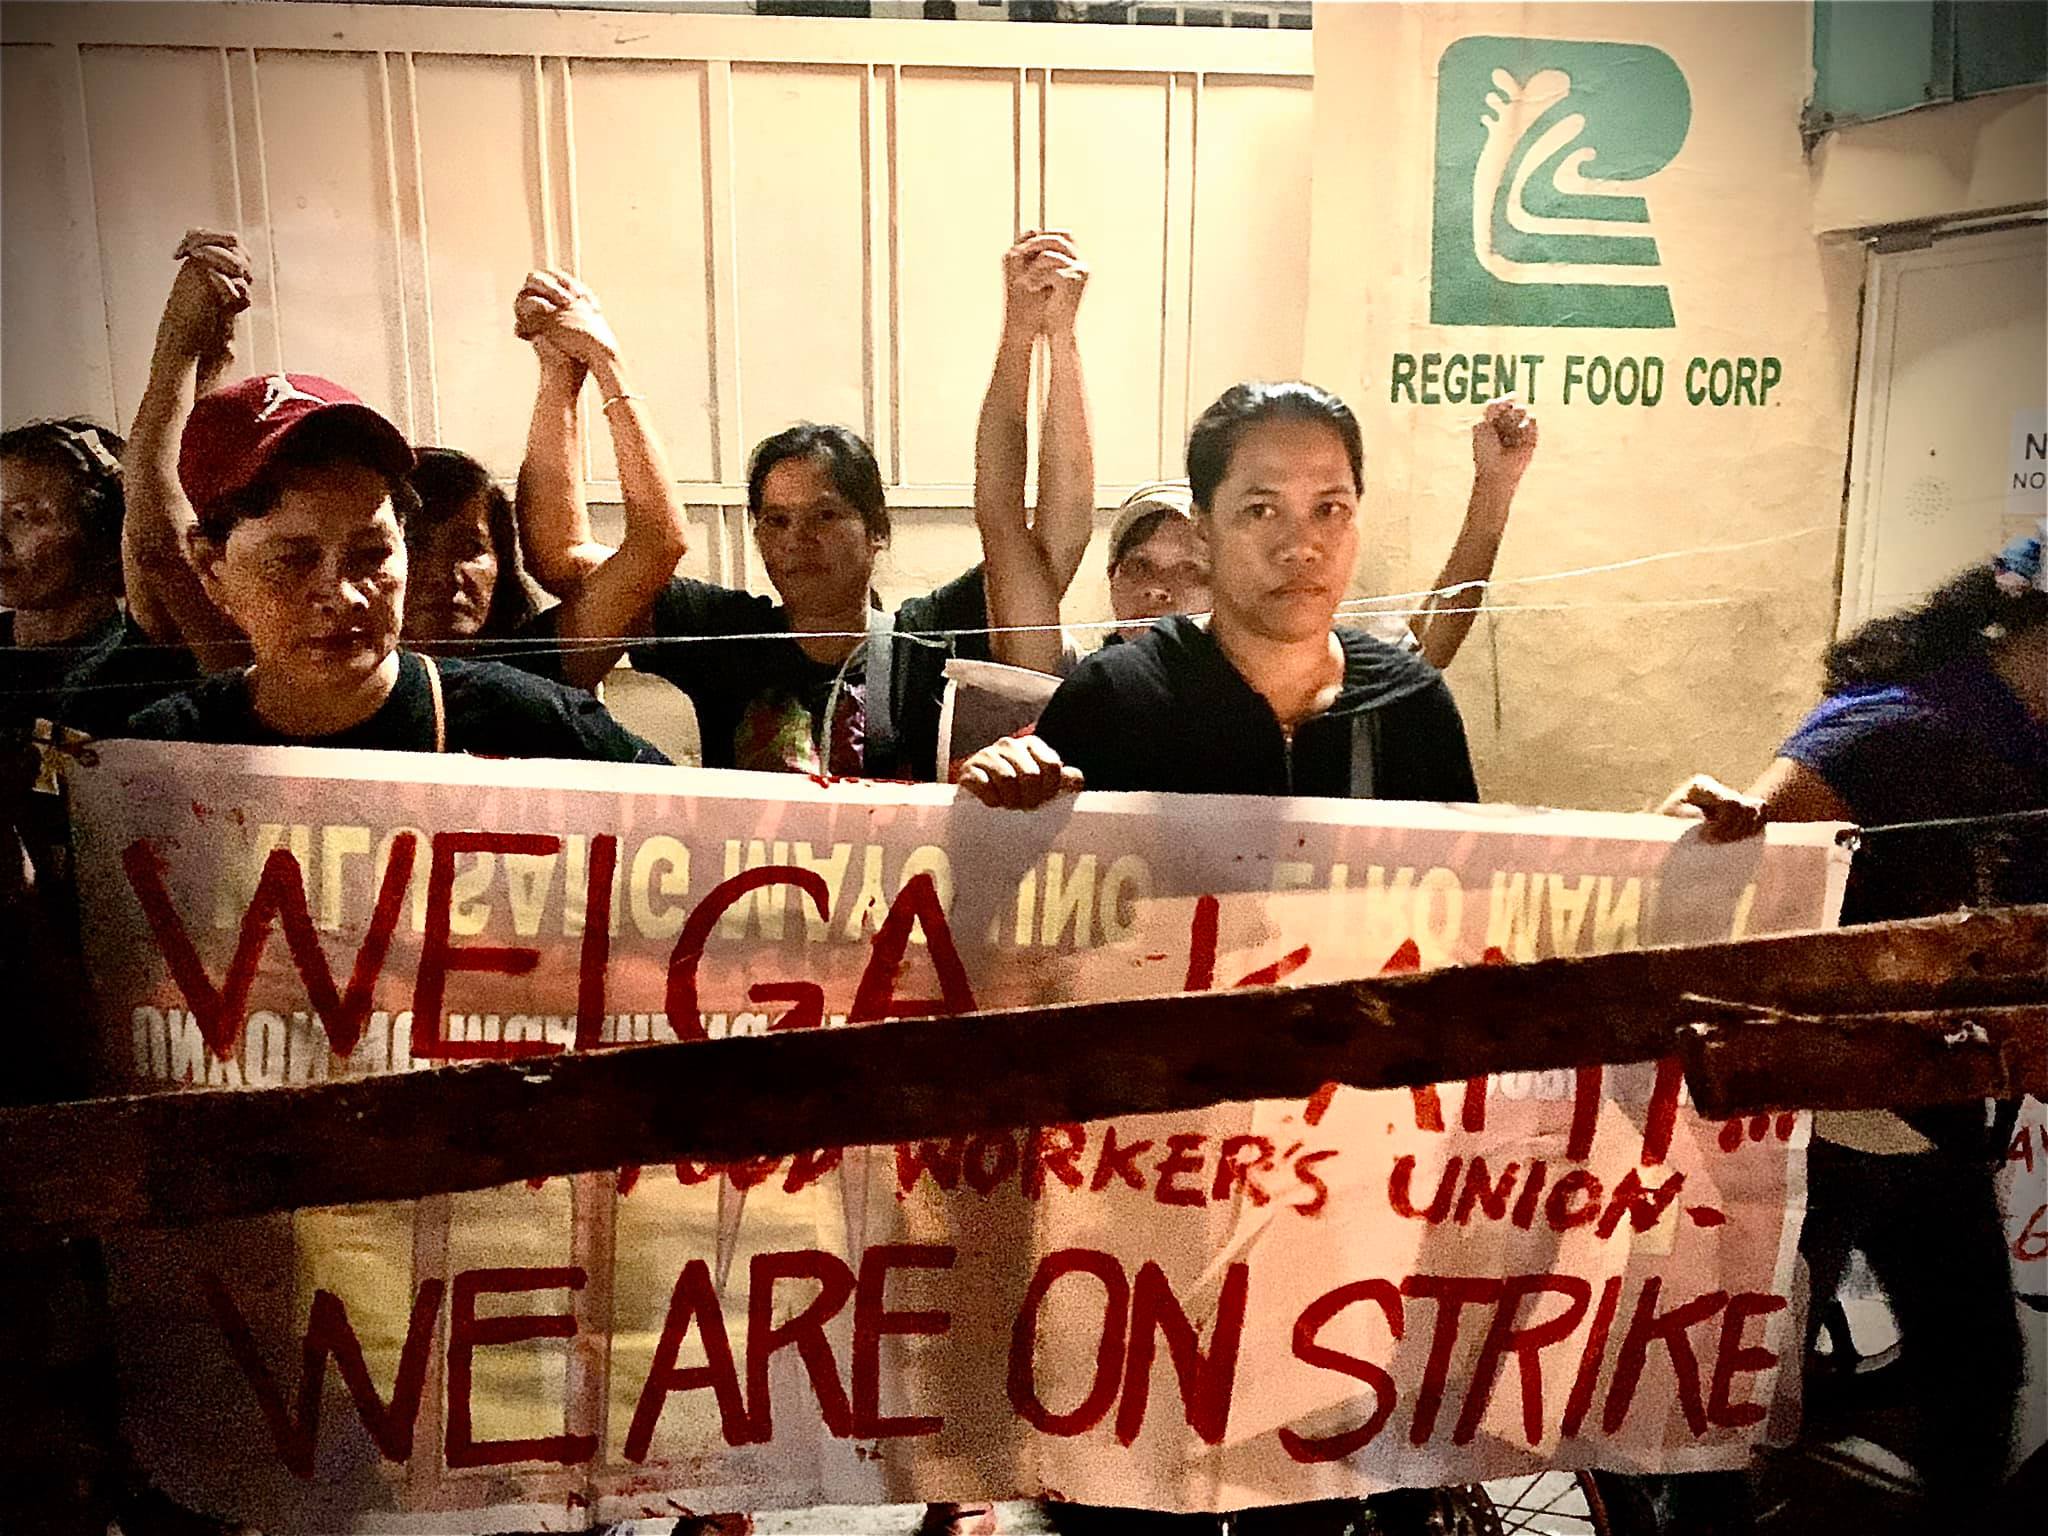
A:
[1504,441]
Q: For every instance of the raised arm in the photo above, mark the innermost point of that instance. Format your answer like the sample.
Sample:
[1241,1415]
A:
[554,524]
[1022,590]
[194,350]
[1066,449]
[1503,443]
[1030,561]
[609,597]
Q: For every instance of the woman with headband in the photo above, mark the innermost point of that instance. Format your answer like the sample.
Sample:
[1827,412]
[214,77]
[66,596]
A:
[60,556]
[67,651]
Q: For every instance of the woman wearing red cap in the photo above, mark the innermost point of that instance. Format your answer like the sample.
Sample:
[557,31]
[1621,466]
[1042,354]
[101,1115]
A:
[300,493]
[297,495]
[467,591]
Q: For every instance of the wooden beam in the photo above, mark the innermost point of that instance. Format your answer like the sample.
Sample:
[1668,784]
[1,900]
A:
[1742,1061]
[179,1157]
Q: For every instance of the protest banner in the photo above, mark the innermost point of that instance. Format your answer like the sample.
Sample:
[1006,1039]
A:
[2023,1201]
[1254,1303]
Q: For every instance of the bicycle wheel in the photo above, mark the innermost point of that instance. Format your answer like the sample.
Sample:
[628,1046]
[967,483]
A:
[1545,1504]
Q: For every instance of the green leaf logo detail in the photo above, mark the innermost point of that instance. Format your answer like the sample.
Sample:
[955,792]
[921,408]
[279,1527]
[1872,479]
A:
[1540,146]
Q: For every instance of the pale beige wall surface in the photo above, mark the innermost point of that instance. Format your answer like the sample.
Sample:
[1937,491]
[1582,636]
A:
[800,246]
[1610,701]
[55,353]
[1962,157]
[1250,302]
[639,133]
[959,197]
[329,220]
[785,218]
[802,218]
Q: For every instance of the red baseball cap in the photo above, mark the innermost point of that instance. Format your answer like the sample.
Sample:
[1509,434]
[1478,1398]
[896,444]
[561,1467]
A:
[233,433]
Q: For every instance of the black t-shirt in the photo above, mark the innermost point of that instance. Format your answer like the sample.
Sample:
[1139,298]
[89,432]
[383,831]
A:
[120,678]
[31,676]
[534,646]
[492,711]
[1167,711]
[761,703]
[91,684]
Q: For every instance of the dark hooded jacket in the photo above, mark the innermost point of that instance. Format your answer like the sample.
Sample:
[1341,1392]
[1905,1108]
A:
[1169,712]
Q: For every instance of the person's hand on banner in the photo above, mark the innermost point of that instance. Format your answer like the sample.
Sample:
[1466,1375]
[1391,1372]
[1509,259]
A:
[1729,814]
[1018,773]
[1504,441]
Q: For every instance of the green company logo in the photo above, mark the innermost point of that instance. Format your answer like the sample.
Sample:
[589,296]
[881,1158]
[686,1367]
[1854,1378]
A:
[1537,143]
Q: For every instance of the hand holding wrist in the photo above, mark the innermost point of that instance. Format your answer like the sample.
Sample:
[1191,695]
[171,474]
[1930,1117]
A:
[610,378]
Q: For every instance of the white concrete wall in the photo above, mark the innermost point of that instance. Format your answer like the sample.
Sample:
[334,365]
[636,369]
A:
[785,219]
[1605,690]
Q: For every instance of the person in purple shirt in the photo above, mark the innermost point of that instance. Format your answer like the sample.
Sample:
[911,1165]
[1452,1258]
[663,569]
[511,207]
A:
[1933,715]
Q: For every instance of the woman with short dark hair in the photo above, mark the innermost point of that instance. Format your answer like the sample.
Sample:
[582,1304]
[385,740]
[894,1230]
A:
[1267,694]
[70,653]
[1159,566]
[1263,696]
[824,680]
[60,559]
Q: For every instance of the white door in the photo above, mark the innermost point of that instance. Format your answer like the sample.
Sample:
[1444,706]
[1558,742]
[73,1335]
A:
[1952,414]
